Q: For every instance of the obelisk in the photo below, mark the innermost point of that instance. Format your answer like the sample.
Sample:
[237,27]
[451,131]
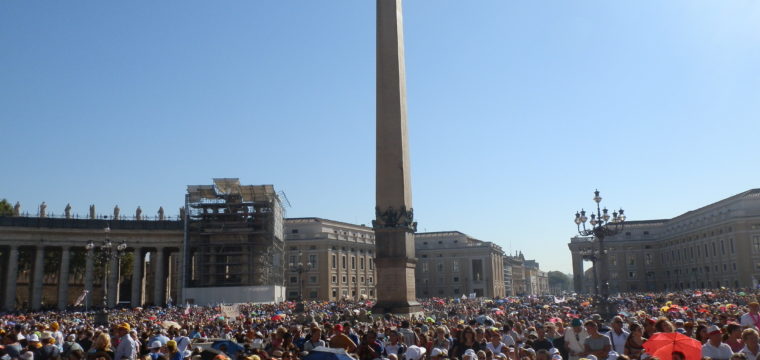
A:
[394,221]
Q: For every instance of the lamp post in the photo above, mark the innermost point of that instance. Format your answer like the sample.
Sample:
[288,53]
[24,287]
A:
[300,268]
[602,225]
[106,252]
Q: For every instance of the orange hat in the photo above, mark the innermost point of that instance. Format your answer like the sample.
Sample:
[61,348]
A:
[124,326]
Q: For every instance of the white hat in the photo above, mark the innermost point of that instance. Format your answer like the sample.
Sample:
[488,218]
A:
[33,338]
[469,352]
[414,352]
[612,355]
[46,335]
[438,352]
[155,345]
[187,354]
[713,329]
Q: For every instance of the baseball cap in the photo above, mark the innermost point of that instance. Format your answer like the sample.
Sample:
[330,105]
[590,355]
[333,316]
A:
[468,352]
[155,345]
[713,329]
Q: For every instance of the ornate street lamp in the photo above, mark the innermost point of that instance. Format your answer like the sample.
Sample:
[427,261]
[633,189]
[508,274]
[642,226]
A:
[602,225]
[106,252]
[300,268]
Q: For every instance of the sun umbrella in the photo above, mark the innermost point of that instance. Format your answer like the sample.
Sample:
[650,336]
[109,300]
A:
[230,347]
[278,317]
[662,346]
[324,353]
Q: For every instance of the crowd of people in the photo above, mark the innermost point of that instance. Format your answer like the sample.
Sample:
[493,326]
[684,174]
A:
[722,324]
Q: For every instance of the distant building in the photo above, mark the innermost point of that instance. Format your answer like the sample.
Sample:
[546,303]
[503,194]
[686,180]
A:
[526,277]
[452,264]
[713,246]
[341,257]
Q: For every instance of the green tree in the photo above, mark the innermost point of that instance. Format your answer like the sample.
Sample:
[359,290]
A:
[6,209]
[559,280]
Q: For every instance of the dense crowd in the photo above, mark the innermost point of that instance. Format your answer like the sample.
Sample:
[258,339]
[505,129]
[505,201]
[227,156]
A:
[719,325]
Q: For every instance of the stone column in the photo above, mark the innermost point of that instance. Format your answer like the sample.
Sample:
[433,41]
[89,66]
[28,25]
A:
[37,281]
[137,277]
[394,225]
[577,272]
[63,280]
[159,283]
[181,274]
[11,274]
[89,274]
[113,282]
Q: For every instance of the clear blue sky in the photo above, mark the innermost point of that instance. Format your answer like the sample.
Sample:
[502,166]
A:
[517,109]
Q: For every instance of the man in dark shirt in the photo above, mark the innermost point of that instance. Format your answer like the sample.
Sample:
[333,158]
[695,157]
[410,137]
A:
[541,343]
[85,339]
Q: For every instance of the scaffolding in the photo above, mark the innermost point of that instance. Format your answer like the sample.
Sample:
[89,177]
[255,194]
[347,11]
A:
[234,235]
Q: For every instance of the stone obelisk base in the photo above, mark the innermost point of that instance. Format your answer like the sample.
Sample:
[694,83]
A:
[395,273]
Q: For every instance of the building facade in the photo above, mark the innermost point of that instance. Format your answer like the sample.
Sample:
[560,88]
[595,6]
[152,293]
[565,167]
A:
[713,246]
[233,243]
[452,264]
[340,259]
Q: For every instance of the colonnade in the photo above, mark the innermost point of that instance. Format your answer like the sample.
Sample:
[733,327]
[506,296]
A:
[154,277]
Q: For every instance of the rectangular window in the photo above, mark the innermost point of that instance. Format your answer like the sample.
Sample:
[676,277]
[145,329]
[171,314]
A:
[334,261]
[293,279]
[731,244]
[334,279]
[371,264]
[756,244]
[648,259]
[631,274]
[455,266]
[313,260]
[439,267]
[334,293]
[361,263]
[293,259]
[613,260]
[722,248]
[343,261]
[353,279]
[631,260]
[312,279]
[344,279]
[353,263]
[714,252]
[424,266]
[371,280]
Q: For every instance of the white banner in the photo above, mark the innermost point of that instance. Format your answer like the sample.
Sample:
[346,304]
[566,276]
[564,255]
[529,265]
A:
[230,311]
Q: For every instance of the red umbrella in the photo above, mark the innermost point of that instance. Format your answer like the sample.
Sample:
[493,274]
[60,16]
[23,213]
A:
[662,346]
